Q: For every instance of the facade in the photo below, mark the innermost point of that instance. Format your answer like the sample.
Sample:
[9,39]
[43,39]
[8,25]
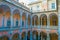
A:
[17,22]
[14,20]
[46,19]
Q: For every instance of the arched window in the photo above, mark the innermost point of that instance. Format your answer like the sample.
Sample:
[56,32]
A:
[16,17]
[28,35]
[53,36]
[53,20]
[4,14]
[23,19]
[35,35]
[29,20]
[23,36]
[43,20]
[16,36]
[5,38]
[43,36]
[35,20]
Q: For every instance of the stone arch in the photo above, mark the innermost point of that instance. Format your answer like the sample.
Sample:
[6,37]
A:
[35,35]
[16,17]
[4,38]
[29,20]
[5,14]
[53,36]
[16,36]
[5,8]
[53,19]
[23,36]
[43,20]
[43,36]
[35,20]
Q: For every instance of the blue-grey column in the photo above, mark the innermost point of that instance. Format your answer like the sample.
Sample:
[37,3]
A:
[26,35]
[38,23]
[48,26]
[34,22]
[3,21]
[20,37]
[39,29]
[38,35]
[21,19]
[41,22]
[31,29]
[48,37]
[59,26]
[59,22]
[12,24]
[27,20]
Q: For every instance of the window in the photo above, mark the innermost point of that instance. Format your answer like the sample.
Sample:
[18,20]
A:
[53,20]
[53,5]
[37,6]
[8,23]
[22,23]
[16,22]
[31,9]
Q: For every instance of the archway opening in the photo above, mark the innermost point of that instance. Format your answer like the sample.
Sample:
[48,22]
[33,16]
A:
[29,20]
[53,36]
[16,17]
[16,37]
[5,38]
[4,15]
[43,20]
[23,19]
[23,36]
[35,20]
[43,36]
[53,20]
[35,35]
[0,38]
[28,37]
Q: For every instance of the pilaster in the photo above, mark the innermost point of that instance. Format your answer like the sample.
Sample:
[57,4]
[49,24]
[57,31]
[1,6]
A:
[59,22]
[48,37]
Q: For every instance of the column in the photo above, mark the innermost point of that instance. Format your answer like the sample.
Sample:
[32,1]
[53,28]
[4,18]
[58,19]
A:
[26,35]
[20,36]
[39,23]
[31,35]
[59,22]
[12,24]
[26,20]
[48,22]
[3,20]
[38,35]
[48,36]
[34,21]
[31,29]
[59,26]
[21,19]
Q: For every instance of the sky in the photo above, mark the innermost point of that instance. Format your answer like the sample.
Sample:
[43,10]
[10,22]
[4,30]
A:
[27,1]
